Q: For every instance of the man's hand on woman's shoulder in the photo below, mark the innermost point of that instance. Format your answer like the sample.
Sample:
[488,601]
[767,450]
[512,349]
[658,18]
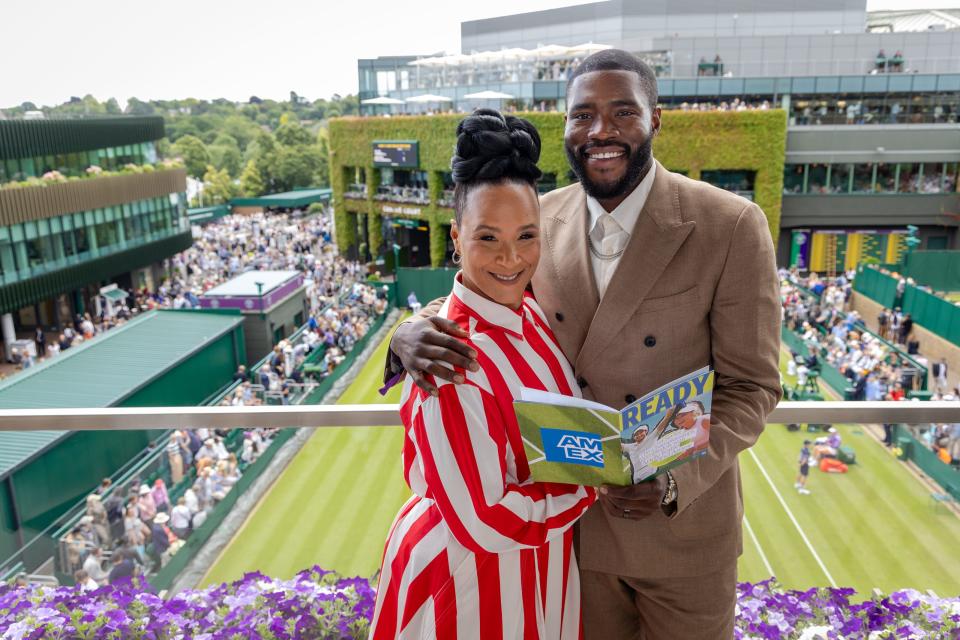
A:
[424,343]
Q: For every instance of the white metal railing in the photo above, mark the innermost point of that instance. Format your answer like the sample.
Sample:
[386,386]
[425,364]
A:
[360,415]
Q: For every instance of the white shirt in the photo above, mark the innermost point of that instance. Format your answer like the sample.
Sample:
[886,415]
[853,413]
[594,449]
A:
[625,215]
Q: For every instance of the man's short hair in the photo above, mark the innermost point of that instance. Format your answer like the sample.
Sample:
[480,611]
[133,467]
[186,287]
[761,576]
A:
[619,60]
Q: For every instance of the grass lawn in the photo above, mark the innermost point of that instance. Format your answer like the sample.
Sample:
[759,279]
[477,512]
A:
[873,527]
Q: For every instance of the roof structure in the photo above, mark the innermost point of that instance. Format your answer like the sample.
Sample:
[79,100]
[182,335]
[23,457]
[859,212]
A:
[246,283]
[286,200]
[913,20]
[104,371]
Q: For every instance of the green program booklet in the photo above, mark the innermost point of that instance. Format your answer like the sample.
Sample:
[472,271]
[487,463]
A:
[577,441]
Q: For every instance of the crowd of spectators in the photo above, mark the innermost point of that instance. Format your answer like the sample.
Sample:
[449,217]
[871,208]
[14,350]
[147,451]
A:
[836,335]
[136,529]
[734,105]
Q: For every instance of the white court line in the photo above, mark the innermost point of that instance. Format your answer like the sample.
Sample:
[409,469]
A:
[793,519]
[763,556]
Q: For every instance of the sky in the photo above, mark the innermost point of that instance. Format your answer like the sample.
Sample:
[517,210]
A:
[213,48]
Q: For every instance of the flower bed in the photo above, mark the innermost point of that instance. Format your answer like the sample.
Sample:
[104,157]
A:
[319,604]
[767,612]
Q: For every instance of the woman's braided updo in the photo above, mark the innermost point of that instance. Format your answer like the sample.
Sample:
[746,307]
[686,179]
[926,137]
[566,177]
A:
[493,148]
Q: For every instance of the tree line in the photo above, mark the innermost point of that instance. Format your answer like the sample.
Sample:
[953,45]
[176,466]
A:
[237,149]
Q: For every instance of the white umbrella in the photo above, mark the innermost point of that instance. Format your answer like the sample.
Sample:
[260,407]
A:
[551,51]
[588,48]
[381,100]
[488,95]
[429,97]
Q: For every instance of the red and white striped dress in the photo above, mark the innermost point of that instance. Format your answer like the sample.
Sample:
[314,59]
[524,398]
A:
[480,551]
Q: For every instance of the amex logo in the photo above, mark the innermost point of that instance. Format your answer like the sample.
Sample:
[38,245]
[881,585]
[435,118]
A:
[572,447]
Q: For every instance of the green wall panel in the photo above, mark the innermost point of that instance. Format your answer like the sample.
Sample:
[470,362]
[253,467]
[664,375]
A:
[194,380]
[28,138]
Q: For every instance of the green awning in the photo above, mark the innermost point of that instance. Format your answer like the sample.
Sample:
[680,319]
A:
[286,200]
[115,295]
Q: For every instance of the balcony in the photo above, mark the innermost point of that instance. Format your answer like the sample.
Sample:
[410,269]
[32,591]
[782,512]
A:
[403,195]
[36,203]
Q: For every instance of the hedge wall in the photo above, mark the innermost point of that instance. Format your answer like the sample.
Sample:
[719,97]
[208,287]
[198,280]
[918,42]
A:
[689,142]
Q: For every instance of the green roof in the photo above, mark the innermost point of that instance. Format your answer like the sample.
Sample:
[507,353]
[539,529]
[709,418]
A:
[286,200]
[104,371]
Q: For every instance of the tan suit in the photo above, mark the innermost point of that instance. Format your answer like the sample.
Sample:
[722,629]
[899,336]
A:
[696,285]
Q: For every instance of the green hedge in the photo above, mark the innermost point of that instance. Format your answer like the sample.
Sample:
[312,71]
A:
[689,142]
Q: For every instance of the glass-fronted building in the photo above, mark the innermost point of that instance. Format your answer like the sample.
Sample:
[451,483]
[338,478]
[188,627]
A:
[872,101]
[83,204]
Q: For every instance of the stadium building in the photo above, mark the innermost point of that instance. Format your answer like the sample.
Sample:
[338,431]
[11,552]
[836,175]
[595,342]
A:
[871,102]
[83,204]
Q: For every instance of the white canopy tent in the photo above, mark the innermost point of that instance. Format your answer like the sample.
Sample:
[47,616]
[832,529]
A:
[488,95]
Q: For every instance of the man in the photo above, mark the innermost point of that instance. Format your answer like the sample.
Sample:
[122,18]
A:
[801,484]
[93,566]
[645,276]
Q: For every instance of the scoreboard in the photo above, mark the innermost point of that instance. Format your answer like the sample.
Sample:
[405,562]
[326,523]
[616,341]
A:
[396,153]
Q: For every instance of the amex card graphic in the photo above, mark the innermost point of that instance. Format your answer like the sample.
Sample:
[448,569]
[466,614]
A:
[577,441]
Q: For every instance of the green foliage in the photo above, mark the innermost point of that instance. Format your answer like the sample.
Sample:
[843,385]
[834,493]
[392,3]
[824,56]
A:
[218,187]
[225,154]
[292,133]
[688,142]
[194,153]
[251,182]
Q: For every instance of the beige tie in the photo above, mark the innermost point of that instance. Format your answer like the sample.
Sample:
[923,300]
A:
[608,240]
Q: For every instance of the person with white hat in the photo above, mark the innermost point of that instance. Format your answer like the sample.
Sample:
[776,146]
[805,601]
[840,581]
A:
[146,504]
[159,538]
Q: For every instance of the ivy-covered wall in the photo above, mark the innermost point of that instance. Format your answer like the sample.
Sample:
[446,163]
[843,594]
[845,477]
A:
[689,142]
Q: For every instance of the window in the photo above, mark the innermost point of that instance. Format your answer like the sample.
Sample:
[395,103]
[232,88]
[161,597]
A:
[793,178]
[840,178]
[863,178]
[909,179]
[817,178]
[885,182]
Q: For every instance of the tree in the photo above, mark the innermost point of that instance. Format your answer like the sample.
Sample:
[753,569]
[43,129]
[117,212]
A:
[225,154]
[294,166]
[251,183]
[292,134]
[112,107]
[322,178]
[194,153]
[218,187]
[139,108]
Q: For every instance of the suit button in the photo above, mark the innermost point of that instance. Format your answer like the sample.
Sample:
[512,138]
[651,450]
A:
[581,382]
[558,316]
[649,341]
[630,398]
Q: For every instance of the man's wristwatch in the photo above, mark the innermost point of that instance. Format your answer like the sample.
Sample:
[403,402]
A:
[670,495]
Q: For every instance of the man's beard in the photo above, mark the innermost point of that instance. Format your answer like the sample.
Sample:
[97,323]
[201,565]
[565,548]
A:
[636,161]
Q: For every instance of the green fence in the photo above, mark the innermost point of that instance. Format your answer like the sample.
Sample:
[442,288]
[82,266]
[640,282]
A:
[877,286]
[178,562]
[943,474]
[931,312]
[428,284]
[939,270]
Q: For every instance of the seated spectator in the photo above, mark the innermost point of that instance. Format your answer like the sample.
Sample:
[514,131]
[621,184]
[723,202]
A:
[93,567]
[85,582]
[180,518]
[123,567]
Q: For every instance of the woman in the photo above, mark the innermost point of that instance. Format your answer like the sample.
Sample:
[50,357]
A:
[480,551]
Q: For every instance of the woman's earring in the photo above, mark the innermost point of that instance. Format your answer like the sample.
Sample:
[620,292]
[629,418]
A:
[456,257]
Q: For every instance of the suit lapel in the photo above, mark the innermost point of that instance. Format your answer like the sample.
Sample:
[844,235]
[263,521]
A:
[655,239]
[565,233]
